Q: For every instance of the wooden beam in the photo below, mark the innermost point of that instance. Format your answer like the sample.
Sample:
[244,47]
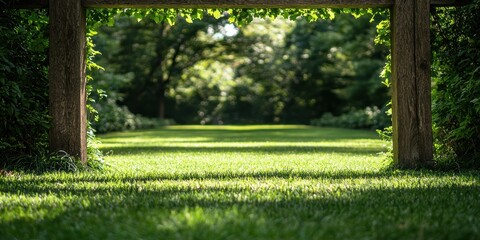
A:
[28,4]
[252,3]
[412,127]
[23,4]
[67,78]
[237,3]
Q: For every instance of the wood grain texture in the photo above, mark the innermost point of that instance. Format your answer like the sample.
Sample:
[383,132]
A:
[24,4]
[28,4]
[423,80]
[404,99]
[412,127]
[67,80]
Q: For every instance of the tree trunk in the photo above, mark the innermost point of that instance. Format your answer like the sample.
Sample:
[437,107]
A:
[161,99]
[67,79]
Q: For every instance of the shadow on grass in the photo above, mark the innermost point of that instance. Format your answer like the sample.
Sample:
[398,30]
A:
[309,134]
[104,206]
[145,140]
[31,186]
[448,211]
[139,150]
[41,184]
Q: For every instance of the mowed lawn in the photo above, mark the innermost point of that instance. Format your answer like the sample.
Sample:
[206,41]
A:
[242,182]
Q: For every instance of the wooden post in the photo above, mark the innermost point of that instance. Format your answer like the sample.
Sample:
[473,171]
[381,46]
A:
[411,66]
[67,80]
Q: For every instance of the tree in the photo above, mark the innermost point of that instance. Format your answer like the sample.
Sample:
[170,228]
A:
[324,66]
[157,54]
[268,71]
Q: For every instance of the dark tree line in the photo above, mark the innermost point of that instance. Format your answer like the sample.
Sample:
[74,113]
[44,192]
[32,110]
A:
[283,72]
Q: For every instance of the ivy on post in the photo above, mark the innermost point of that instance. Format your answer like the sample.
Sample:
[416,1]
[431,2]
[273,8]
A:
[67,78]
[411,66]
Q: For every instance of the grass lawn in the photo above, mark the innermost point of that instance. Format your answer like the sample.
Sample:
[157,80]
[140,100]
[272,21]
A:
[242,182]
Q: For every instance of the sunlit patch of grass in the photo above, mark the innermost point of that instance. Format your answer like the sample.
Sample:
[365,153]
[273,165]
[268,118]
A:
[242,182]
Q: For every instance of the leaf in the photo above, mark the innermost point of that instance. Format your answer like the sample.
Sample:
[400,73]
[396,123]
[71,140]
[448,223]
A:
[217,14]
[188,19]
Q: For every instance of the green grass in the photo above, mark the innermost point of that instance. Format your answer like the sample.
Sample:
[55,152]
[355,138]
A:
[242,182]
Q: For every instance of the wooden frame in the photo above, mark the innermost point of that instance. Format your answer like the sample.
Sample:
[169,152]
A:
[411,64]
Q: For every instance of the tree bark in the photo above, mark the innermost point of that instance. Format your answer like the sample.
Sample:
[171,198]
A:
[161,99]
[411,102]
[67,78]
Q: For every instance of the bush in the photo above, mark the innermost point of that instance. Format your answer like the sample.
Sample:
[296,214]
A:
[24,119]
[113,117]
[23,87]
[368,118]
[456,96]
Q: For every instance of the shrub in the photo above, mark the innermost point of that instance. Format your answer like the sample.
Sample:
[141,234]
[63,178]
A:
[23,86]
[112,117]
[368,118]
[456,96]
[24,119]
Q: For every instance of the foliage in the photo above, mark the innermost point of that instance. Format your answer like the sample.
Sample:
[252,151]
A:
[108,116]
[161,52]
[23,86]
[332,66]
[118,118]
[24,97]
[369,118]
[270,71]
[457,84]
[242,182]
[236,16]
[383,37]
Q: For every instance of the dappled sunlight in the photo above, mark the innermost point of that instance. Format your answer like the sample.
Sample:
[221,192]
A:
[183,204]
[104,159]
[271,139]
[187,182]
[244,149]
[238,127]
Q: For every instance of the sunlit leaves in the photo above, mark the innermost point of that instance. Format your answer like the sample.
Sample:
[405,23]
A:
[237,16]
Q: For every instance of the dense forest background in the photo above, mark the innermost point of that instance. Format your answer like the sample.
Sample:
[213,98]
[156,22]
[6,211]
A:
[209,71]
